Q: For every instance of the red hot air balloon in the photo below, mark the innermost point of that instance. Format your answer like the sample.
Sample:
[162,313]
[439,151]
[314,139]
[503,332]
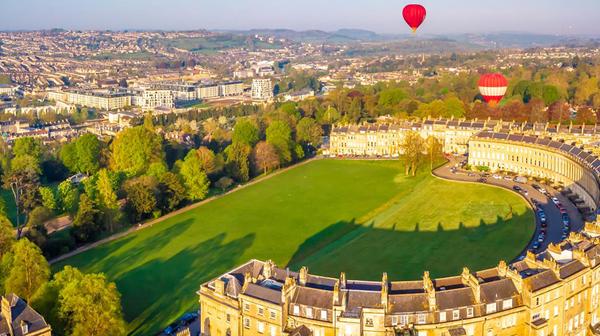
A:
[414,15]
[493,87]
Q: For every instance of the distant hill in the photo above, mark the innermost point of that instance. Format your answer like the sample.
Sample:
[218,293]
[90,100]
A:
[320,36]
[517,40]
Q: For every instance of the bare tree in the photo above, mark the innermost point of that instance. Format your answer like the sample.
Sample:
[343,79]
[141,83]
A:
[265,157]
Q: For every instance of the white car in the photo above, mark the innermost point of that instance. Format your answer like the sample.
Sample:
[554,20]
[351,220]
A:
[497,177]
[555,200]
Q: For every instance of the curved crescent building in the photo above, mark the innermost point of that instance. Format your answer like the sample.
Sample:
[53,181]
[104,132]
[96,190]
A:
[561,163]
[552,293]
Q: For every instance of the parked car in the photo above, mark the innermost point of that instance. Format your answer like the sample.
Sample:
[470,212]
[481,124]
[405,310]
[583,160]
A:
[566,220]
[535,245]
[508,178]
[555,200]
[497,177]
[520,179]
[541,237]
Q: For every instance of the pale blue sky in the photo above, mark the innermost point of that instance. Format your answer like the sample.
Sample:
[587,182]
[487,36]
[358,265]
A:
[444,16]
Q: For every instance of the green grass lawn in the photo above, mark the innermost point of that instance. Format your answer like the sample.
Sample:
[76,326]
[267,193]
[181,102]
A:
[355,216]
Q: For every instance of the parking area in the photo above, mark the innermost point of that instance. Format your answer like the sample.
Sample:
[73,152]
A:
[556,215]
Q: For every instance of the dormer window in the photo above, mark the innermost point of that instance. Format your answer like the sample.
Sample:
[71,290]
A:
[24,327]
[296,310]
[309,312]
[324,315]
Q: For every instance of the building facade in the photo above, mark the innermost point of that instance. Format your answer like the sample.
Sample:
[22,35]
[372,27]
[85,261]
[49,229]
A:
[208,91]
[102,100]
[262,89]
[564,164]
[229,89]
[553,293]
[385,139]
[156,98]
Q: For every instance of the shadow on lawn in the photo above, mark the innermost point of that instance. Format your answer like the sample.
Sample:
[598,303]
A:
[159,291]
[365,251]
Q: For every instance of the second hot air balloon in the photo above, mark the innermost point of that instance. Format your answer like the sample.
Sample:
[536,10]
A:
[414,15]
[493,87]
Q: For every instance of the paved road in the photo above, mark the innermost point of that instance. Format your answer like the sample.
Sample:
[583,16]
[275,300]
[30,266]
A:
[553,216]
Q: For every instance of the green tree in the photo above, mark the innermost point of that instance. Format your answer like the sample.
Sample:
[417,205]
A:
[391,97]
[87,224]
[28,146]
[246,131]
[172,192]
[435,150]
[412,152]
[48,198]
[107,199]
[585,89]
[157,169]
[550,95]
[141,196]
[88,153]
[68,156]
[36,225]
[309,132]
[237,161]
[194,177]
[75,303]
[93,306]
[279,135]
[28,270]
[69,196]
[7,236]
[134,149]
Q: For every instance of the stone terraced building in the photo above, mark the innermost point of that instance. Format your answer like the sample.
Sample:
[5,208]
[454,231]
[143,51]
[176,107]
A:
[385,139]
[554,293]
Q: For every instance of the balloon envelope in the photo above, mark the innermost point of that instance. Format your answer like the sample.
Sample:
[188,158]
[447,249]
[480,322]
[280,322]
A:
[493,87]
[414,15]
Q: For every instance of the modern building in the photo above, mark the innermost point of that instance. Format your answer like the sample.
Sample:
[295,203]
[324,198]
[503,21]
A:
[262,89]
[229,89]
[553,293]
[103,100]
[18,318]
[181,92]
[208,91]
[156,98]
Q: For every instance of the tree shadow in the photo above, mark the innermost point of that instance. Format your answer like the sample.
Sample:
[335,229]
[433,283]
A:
[178,278]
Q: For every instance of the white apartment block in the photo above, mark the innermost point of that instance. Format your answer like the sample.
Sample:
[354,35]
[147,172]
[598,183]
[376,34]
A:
[262,89]
[231,89]
[208,91]
[99,100]
[157,98]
